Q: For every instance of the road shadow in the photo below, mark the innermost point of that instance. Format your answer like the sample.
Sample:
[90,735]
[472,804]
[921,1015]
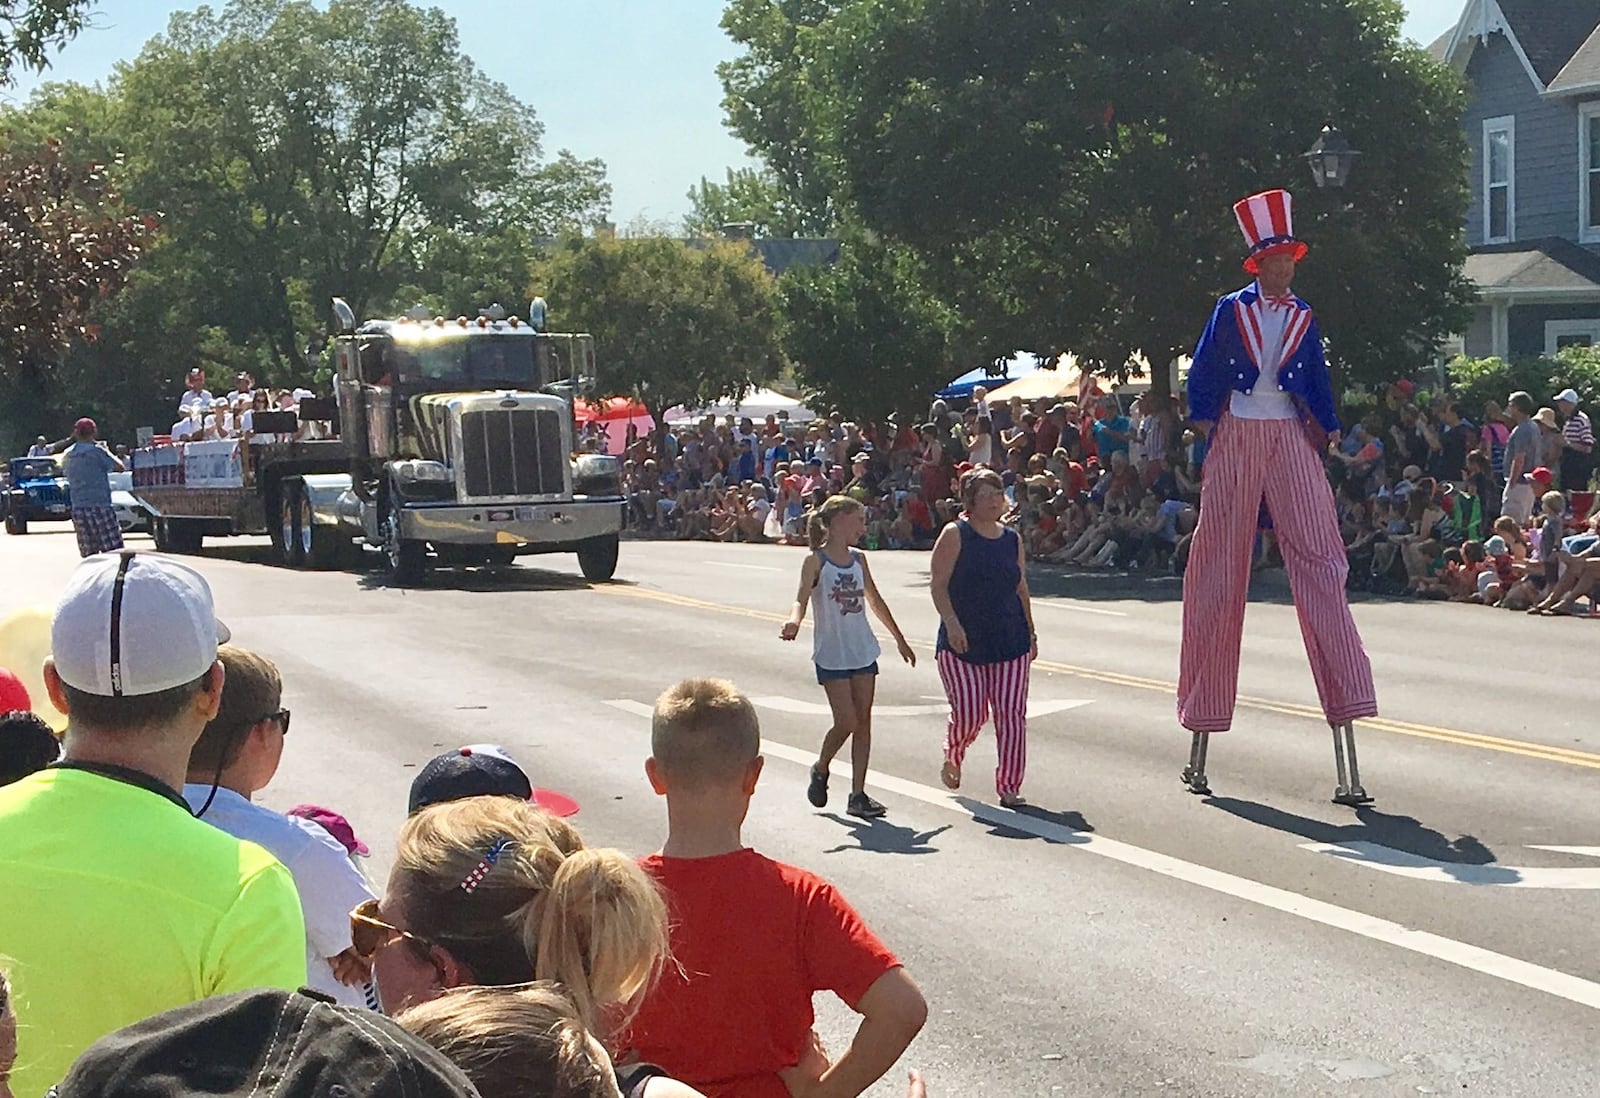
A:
[882,836]
[486,581]
[1403,833]
[1110,585]
[1053,827]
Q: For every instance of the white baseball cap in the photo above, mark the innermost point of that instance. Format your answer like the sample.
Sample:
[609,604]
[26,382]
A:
[1568,395]
[130,624]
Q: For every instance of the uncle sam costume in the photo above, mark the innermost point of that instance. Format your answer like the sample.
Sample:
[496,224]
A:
[1260,376]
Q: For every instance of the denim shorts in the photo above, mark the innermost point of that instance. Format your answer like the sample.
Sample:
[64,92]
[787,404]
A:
[825,674]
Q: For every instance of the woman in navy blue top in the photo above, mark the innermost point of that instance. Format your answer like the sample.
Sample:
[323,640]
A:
[986,637]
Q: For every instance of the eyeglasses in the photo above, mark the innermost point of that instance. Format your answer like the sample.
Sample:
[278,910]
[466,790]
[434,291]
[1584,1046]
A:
[368,933]
[279,715]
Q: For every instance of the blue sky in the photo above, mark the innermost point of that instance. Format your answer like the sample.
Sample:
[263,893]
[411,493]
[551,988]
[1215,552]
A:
[630,81]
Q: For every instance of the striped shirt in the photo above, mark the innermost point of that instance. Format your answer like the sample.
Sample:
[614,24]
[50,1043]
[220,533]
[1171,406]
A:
[1578,433]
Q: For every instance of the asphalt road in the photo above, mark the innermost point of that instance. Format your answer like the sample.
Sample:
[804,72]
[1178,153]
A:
[1120,936]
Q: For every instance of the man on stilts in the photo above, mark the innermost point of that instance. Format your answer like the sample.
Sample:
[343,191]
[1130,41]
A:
[1259,388]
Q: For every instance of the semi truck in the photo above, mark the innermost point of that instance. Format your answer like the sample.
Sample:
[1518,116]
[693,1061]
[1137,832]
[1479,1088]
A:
[447,443]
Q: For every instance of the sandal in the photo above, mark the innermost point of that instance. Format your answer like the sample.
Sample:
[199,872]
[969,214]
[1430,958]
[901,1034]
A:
[950,775]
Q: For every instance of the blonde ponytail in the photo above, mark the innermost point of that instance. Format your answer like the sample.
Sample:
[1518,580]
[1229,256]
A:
[542,907]
[602,935]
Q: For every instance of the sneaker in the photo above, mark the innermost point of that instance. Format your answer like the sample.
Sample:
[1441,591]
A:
[817,791]
[862,805]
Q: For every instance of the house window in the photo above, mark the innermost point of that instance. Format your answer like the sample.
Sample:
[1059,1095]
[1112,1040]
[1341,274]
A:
[1571,333]
[1499,179]
[1589,172]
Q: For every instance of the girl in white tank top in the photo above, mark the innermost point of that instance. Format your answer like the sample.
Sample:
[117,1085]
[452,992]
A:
[837,585]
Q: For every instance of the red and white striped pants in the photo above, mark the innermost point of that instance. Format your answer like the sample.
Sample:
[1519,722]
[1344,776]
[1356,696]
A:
[1250,458]
[973,689]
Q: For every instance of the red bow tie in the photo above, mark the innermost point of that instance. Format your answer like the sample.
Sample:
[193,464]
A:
[1284,302]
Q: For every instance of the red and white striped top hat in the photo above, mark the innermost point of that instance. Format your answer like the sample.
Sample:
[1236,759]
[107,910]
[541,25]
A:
[1267,221]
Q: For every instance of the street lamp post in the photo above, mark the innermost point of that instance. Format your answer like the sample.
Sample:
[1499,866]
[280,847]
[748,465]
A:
[1331,158]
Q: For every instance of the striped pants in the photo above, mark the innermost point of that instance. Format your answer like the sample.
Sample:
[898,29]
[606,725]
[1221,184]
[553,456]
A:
[1249,459]
[973,689]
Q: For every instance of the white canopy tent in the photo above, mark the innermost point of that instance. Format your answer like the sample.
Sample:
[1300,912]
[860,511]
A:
[757,403]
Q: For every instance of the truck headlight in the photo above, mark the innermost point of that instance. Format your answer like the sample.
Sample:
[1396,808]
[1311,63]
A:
[597,475]
[416,470]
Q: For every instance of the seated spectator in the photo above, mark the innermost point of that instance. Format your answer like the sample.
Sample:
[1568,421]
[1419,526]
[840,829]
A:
[526,1042]
[135,669]
[27,745]
[282,1044]
[235,758]
[492,890]
[1500,576]
[753,939]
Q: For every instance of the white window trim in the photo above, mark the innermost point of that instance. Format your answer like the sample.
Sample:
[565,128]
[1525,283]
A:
[1508,123]
[1555,329]
[1587,234]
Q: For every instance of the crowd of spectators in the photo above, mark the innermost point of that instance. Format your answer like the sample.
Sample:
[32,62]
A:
[1079,485]
[1490,504]
[162,932]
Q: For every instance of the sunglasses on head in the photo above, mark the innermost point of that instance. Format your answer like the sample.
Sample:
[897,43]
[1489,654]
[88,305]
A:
[369,934]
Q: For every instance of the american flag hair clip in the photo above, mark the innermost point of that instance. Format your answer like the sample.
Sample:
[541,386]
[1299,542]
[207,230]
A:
[481,870]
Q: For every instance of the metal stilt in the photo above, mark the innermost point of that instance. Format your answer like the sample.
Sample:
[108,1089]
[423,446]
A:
[1349,791]
[1194,775]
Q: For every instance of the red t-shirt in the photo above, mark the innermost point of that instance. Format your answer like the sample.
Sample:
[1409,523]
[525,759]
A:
[752,939]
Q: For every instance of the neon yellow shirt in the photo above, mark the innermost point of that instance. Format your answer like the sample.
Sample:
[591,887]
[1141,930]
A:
[116,904]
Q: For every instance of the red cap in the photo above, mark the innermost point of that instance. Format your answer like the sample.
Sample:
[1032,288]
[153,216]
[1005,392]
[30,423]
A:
[1541,475]
[1405,386]
[965,467]
[13,695]
[84,426]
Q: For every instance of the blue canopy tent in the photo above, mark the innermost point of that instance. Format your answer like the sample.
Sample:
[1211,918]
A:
[1018,365]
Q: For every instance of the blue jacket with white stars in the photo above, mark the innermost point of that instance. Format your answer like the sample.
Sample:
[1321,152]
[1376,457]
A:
[1224,363]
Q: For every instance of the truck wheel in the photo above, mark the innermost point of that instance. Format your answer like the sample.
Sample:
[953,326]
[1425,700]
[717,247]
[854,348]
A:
[16,524]
[598,558]
[319,544]
[408,560]
[290,550]
[161,534]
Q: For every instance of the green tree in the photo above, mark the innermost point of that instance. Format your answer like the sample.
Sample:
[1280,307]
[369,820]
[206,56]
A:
[674,324]
[303,153]
[754,197]
[29,29]
[865,333]
[1067,171]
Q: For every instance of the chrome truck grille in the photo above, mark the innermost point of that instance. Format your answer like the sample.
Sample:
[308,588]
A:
[513,452]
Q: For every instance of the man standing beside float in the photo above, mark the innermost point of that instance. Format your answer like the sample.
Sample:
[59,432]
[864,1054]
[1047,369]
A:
[1259,389]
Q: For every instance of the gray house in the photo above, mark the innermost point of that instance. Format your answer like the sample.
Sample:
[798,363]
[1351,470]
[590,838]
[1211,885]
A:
[1533,124]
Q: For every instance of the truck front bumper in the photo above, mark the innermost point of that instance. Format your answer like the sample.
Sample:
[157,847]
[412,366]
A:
[520,524]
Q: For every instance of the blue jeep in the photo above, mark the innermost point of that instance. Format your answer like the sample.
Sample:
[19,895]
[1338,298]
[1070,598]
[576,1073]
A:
[38,493]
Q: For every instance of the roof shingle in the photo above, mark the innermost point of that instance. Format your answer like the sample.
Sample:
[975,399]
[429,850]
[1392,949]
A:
[1551,31]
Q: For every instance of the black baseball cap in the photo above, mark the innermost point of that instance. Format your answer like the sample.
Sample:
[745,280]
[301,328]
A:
[282,1044]
[481,770]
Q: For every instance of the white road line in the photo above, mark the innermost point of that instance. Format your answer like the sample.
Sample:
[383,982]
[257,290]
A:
[751,567]
[1563,985]
[1037,707]
[1054,604]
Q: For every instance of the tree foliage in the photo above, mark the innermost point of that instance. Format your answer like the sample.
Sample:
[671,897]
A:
[754,197]
[29,29]
[1477,380]
[297,152]
[1067,171]
[66,242]
[864,333]
[674,324]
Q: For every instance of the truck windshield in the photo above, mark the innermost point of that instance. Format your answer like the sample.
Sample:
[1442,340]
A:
[481,359]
